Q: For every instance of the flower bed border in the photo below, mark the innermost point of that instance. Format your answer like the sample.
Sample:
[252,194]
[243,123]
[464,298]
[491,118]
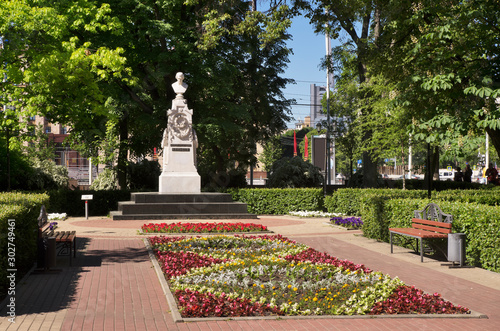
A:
[176,315]
[141,231]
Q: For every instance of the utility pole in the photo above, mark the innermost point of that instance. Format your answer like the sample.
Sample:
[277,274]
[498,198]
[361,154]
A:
[329,168]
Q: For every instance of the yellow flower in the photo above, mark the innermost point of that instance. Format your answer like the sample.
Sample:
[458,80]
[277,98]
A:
[295,289]
[315,299]
[289,286]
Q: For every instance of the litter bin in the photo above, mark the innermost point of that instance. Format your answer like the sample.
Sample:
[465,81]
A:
[456,248]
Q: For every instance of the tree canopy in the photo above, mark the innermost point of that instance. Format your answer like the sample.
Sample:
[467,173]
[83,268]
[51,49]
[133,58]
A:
[105,68]
[422,69]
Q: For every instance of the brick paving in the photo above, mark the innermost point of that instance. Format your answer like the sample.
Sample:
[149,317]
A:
[113,286]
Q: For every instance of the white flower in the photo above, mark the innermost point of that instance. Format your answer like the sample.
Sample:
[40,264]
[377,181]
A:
[314,213]
[56,216]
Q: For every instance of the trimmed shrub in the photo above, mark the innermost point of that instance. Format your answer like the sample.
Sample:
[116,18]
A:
[24,209]
[349,201]
[70,202]
[294,172]
[480,223]
[490,197]
[279,201]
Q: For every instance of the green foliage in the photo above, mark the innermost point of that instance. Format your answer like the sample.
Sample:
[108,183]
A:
[20,169]
[480,223]
[221,181]
[272,152]
[47,175]
[475,213]
[143,175]
[71,203]
[39,146]
[490,197]
[24,209]
[445,67]
[294,172]
[106,180]
[373,209]
[279,201]
[350,201]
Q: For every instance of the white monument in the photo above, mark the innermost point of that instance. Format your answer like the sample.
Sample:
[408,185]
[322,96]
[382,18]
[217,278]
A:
[179,174]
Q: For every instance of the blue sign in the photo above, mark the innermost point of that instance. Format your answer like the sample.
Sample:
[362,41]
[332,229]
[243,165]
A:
[359,161]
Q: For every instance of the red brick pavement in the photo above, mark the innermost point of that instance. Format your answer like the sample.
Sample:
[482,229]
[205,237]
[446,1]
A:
[112,286]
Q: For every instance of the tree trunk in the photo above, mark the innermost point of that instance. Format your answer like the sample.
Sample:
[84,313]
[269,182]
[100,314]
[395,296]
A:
[8,159]
[434,167]
[121,167]
[435,163]
[495,139]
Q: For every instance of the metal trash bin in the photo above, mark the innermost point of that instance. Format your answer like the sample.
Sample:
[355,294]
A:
[456,248]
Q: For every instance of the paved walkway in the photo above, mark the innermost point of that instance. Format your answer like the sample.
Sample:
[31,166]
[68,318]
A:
[112,285]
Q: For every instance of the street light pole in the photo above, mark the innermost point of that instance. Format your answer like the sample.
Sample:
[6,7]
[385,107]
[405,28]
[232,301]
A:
[328,49]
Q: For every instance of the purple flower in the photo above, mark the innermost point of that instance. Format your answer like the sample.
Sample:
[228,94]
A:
[348,222]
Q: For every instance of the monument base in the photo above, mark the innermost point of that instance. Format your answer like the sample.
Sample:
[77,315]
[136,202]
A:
[180,182]
[187,206]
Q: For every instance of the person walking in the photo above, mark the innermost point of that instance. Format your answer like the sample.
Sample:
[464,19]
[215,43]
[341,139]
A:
[491,174]
[459,176]
[468,174]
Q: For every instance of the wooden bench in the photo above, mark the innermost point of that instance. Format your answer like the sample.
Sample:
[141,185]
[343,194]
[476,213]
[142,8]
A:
[66,239]
[437,227]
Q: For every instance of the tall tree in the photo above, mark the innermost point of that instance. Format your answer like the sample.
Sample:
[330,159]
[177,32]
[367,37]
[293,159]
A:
[108,73]
[359,21]
[444,58]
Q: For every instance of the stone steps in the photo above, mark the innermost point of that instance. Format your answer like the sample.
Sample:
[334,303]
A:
[155,206]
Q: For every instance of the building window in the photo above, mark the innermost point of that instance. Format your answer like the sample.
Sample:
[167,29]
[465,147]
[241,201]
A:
[64,130]
[47,129]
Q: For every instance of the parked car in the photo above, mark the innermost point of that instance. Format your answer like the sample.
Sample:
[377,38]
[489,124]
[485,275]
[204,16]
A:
[407,176]
[445,174]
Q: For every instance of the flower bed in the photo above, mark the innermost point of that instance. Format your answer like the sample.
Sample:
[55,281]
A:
[348,222]
[315,213]
[248,275]
[201,227]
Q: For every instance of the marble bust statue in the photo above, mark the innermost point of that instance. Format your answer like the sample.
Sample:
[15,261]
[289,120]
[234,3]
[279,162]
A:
[179,87]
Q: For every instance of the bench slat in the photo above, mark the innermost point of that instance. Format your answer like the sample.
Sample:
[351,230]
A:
[434,223]
[431,228]
[417,233]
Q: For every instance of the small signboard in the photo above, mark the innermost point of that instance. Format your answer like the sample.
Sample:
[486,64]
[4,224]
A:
[449,168]
[87,197]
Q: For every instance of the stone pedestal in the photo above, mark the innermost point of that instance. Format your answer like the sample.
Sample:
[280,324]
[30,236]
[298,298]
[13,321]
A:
[180,182]
[179,174]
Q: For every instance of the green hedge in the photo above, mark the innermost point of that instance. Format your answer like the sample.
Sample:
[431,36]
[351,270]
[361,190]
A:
[349,201]
[24,209]
[71,203]
[490,197]
[480,223]
[279,201]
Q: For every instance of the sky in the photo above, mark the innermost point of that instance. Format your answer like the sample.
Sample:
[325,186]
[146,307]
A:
[309,49]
